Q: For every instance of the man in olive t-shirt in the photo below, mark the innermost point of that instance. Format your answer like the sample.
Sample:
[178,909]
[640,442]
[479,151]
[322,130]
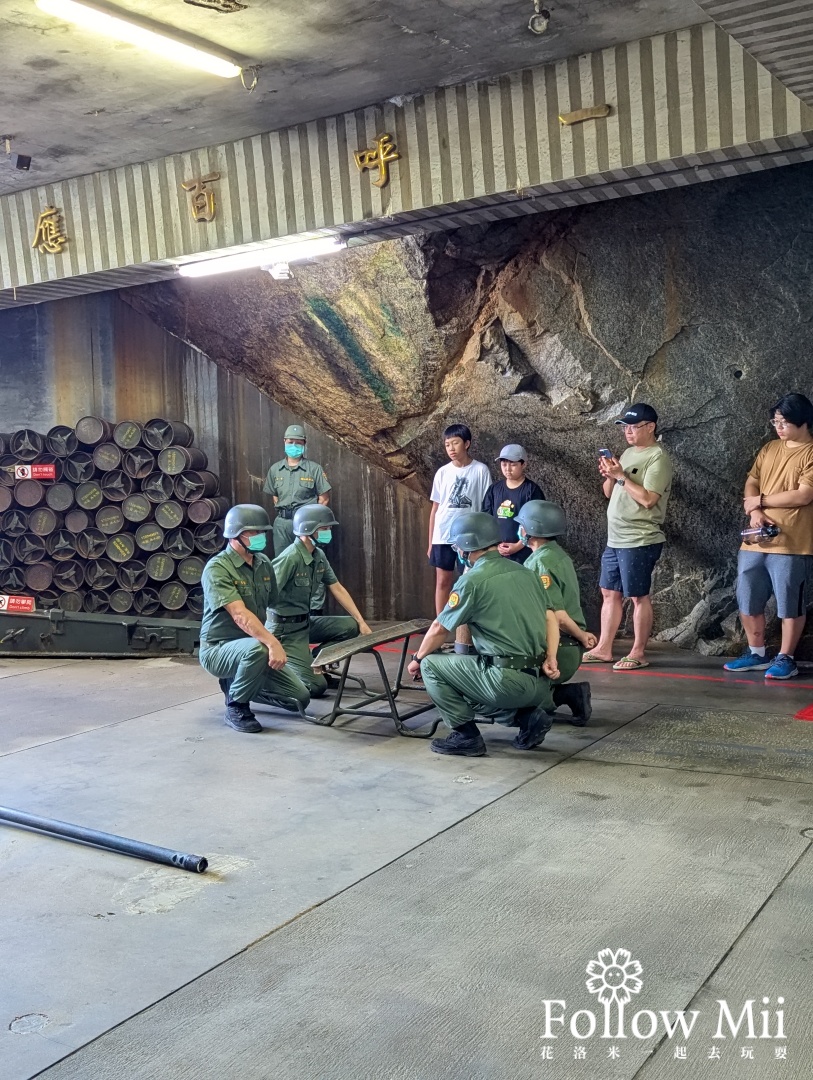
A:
[638,486]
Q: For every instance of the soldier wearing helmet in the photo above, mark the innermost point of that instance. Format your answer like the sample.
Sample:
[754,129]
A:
[512,628]
[540,524]
[235,646]
[294,481]
[301,571]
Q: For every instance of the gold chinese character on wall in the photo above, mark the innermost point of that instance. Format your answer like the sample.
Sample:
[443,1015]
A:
[48,236]
[201,198]
[378,158]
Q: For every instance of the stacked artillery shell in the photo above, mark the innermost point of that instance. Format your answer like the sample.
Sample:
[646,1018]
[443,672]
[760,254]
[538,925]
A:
[127,524]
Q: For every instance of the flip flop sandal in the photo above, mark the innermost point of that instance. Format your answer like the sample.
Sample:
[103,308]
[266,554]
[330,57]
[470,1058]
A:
[629,663]
[591,658]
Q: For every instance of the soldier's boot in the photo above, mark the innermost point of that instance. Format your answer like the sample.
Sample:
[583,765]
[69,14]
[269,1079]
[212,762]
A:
[534,724]
[239,716]
[462,649]
[225,686]
[577,698]
[465,741]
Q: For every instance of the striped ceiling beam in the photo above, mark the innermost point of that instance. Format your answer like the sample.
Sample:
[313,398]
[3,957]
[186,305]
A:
[679,102]
[777,33]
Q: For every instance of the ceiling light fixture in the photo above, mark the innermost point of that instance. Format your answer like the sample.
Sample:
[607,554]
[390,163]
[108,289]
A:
[100,21]
[273,255]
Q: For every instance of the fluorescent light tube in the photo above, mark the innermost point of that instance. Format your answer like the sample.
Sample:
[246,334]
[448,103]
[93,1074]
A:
[92,18]
[296,251]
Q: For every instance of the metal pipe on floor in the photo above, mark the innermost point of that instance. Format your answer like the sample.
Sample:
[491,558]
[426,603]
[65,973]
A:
[196,864]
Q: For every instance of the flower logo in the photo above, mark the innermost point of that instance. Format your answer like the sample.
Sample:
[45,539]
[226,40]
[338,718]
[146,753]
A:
[614,979]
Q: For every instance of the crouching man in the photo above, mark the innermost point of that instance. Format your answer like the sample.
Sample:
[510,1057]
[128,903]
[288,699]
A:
[235,646]
[540,523]
[511,624]
[302,572]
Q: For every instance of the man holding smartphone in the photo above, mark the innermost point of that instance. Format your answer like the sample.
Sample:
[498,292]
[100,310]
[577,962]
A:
[638,486]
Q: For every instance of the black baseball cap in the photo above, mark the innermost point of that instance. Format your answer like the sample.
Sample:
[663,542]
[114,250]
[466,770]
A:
[639,414]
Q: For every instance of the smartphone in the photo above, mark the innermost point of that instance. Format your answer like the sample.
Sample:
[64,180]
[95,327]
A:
[604,452]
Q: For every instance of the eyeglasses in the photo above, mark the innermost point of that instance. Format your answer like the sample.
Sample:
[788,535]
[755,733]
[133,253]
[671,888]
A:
[782,422]
[634,427]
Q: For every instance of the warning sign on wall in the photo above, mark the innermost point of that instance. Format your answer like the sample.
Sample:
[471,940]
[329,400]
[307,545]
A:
[35,472]
[17,605]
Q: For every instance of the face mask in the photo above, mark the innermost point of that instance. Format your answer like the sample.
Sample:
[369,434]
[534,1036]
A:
[294,450]
[523,537]
[461,558]
[256,542]
[324,536]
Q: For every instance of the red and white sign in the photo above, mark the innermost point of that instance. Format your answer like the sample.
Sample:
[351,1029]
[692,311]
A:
[17,605]
[35,472]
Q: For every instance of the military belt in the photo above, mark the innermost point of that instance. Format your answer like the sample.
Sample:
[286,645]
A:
[568,639]
[517,663]
[288,618]
[286,512]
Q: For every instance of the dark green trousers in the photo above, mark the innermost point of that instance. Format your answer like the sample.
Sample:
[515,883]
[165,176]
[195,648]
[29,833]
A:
[325,629]
[463,687]
[245,661]
[569,657]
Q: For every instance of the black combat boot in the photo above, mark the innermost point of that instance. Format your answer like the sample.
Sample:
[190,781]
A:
[225,686]
[534,724]
[465,741]
[577,698]
[238,715]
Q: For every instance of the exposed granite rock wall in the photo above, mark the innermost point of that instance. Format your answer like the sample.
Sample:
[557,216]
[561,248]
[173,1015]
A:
[538,331]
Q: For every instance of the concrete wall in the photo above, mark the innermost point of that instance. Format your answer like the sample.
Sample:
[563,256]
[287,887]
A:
[96,355]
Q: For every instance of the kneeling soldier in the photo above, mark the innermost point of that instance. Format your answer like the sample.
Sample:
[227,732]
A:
[539,523]
[302,571]
[511,624]
[235,647]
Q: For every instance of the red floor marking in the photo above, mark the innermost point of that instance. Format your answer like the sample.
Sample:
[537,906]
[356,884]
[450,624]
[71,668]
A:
[387,648]
[711,678]
[804,714]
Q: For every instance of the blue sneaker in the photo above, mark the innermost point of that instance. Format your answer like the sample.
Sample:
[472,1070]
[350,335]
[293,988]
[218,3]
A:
[749,661]
[783,667]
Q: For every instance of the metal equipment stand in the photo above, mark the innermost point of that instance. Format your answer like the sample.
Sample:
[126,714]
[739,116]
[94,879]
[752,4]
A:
[343,653]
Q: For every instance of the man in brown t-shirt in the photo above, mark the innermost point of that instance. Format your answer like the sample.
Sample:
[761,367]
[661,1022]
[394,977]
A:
[778,491]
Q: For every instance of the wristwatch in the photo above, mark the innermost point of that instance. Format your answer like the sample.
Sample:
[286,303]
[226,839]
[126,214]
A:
[415,658]
[621,481]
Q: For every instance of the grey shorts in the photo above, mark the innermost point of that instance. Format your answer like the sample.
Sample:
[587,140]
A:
[760,574]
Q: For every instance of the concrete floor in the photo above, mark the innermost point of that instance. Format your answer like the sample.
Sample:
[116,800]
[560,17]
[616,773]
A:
[375,910]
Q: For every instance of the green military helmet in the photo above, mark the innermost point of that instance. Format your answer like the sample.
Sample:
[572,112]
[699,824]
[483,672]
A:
[474,532]
[246,517]
[294,431]
[311,517]
[541,518]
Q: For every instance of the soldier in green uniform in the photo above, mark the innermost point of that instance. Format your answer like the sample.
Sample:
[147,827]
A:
[512,626]
[540,523]
[235,646]
[293,482]
[300,571]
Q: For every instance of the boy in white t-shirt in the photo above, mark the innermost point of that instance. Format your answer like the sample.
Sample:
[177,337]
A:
[458,488]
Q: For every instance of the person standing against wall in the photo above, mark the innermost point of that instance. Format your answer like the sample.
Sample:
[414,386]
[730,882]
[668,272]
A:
[294,481]
[778,493]
[459,488]
[506,497]
[638,485]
